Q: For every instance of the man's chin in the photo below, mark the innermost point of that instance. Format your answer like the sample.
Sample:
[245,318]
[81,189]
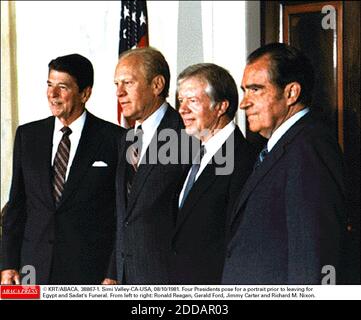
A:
[130,117]
[56,113]
[192,132]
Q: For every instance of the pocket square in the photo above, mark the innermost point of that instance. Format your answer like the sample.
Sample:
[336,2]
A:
[99,164]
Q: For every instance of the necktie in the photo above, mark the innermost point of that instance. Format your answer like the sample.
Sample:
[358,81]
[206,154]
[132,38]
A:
[60,164]
[192,175]
[262,155]
[135,152]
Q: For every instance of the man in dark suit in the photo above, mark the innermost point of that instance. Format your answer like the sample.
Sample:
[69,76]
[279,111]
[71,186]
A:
[145,201]
[60,216]
[288,224]
[208,101]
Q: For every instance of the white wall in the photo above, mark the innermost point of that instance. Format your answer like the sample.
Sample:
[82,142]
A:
[185,31]
[48,29]
[222,32]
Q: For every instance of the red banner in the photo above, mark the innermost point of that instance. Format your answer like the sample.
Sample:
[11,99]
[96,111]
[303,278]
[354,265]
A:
[20,292]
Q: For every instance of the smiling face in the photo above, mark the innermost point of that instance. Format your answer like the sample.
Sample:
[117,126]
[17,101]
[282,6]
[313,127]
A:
[195,108]
[65,100]
[265,104]
[137,97]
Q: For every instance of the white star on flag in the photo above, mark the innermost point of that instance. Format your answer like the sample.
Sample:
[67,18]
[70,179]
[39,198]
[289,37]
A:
[142,19]
[126,12]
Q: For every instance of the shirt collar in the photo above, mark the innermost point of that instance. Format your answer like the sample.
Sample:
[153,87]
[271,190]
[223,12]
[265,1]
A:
[216,141]
[76,126]
[150,124]
[283,128]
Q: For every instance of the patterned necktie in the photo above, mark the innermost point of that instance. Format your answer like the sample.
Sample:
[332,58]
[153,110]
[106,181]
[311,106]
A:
[192,175]
[135,152]
[262,155]
[60,164]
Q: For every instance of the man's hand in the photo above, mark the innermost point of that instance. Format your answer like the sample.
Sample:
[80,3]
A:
[108,281]
[10,276]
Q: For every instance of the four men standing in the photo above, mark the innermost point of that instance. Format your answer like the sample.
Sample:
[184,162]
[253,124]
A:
[177,223]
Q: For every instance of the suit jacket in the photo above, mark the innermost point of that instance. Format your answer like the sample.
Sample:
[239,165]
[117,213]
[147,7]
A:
[69,244]
[198,244]
[289,220]
[145,221]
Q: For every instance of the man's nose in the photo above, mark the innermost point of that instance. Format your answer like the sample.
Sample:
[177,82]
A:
[245,103]
[120,90]
[53,92]
[183,107]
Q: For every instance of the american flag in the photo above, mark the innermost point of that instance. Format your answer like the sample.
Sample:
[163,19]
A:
[133,33]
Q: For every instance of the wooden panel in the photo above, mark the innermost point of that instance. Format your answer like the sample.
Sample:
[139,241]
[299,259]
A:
[270,21]
[348,38]
[303,28]
[352,75]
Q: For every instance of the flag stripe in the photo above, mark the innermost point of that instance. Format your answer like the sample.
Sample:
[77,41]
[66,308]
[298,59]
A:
[133,33]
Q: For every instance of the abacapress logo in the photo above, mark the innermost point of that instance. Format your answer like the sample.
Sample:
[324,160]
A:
[20,292]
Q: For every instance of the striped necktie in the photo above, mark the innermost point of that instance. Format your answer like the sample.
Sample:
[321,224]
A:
[60,164]
[135,152]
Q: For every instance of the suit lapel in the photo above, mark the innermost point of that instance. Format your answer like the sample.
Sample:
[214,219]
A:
[91,138]
[255,178]
[122,174]
[144,170]
[272,158]
[207,178]
[45,143]
[204,181]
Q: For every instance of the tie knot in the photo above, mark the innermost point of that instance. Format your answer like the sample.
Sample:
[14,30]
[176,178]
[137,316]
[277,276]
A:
[139,131]
[263,153]
[200,154]
[202,151]
[66,131]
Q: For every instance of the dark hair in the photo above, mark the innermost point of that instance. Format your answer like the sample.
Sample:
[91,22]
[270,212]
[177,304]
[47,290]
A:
[79,67]
[287,64]
[154,64]
[221,84]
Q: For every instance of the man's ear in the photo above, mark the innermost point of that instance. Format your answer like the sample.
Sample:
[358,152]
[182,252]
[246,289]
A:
[85,94]
[292,93]
[158,84]
[222,107]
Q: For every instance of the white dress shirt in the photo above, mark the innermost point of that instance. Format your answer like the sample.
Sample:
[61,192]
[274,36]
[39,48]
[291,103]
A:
[211,146]
[76,128]
[284,127]
[149,127]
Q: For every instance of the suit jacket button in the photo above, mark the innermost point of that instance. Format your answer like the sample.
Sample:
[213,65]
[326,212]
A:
[126,223]
[175,252]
